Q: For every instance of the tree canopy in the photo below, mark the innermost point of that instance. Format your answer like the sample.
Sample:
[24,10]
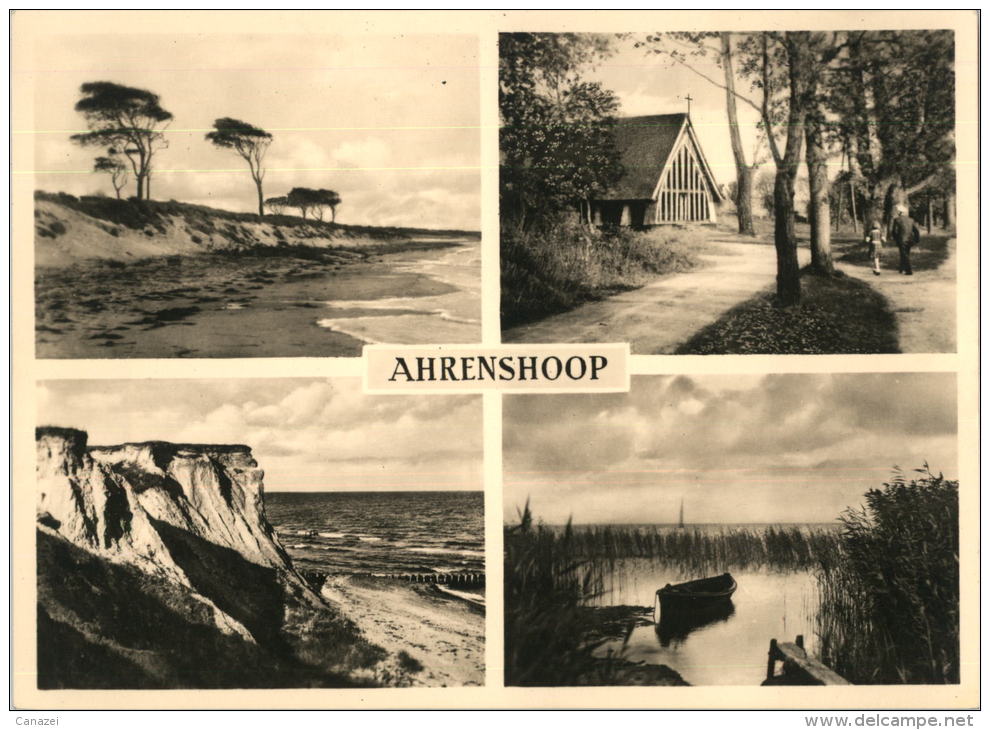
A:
[248,141]
[114,167]
[317,201]
[557,135]
[126,118]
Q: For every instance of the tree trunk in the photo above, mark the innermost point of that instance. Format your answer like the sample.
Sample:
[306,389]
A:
[261,200]
[744,173]
[949,212]
[788,271]
[818,207]
[930,215]
[140,186]
[800,70]
[896,198]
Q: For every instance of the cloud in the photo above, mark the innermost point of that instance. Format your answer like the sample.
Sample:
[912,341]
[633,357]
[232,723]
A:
[791,446]
[361,100]
[308,434]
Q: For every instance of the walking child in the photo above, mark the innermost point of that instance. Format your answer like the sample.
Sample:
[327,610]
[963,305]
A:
[874,237]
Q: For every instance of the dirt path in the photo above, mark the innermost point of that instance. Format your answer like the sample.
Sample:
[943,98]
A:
[658,317]
[445,635]
[924,303]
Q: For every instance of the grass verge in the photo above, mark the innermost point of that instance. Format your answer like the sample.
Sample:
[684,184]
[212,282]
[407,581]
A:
[837,315]
[552,272]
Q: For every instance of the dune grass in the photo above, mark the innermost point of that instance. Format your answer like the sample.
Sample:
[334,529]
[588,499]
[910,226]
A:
[889,608]
[548,272]
[152,214]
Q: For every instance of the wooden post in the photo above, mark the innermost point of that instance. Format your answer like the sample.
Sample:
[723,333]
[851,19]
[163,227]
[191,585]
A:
[771,658]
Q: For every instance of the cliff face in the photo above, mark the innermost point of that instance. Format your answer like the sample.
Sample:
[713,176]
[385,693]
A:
[111,499]
[138,538]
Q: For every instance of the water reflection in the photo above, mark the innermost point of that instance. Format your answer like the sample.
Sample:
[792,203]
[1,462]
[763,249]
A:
[727,643]
[675,626]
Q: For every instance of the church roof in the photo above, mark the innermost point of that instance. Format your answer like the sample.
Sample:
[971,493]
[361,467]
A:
[644,144]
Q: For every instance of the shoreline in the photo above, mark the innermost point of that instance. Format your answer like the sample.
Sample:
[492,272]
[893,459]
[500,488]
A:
[439,638]
[268,302]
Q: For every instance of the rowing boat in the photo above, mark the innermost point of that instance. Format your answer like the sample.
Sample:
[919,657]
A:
[694,594]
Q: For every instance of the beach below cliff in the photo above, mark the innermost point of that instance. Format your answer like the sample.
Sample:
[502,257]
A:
[438,633]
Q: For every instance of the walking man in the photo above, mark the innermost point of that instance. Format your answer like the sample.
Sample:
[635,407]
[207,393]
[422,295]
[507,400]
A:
[905,233]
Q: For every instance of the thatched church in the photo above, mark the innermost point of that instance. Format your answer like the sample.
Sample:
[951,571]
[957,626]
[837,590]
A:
[667,179]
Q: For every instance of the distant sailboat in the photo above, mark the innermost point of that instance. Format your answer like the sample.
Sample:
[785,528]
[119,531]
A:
[680,519]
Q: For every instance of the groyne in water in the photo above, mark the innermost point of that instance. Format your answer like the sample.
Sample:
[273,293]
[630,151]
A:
[460,580]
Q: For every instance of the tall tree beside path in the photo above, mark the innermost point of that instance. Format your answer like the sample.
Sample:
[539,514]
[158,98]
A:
[127,119]
[250,142]
[688,49]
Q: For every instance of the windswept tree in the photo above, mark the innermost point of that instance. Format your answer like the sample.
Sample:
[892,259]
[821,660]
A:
[250,142]
[278,204]
[317,202]
[301,198]
[557,136]
[115,167]
[326,200]
[127,119]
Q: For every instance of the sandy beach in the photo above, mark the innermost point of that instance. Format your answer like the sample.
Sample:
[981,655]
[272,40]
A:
[302,302]
[442,632]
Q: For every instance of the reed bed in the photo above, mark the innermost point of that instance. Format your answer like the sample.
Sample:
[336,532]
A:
[546,624]
[696,551]
[889,607]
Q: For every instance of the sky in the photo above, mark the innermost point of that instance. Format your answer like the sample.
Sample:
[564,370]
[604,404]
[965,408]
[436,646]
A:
[381,103]
[648,83]
[774,448]
[306,434]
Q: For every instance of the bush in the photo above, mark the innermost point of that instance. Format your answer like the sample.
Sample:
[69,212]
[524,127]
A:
[889,608]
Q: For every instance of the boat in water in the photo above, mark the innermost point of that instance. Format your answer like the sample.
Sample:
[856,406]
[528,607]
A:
[693,596]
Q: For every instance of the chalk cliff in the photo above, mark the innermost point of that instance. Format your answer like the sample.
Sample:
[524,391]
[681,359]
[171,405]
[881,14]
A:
[158,568]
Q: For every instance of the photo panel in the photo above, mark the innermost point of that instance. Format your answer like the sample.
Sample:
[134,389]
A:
[257,533]
[704,530]
[254,195]
[653,190]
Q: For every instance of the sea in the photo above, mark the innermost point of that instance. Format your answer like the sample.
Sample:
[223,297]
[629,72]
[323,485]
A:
[381,533]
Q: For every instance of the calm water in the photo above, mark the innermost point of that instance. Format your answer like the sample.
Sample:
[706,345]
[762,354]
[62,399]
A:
[380,532]
[727,645]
